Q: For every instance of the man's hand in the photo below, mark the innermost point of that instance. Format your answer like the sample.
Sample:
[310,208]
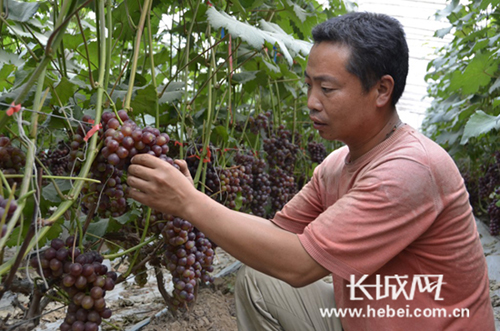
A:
[159,185]
[184,169]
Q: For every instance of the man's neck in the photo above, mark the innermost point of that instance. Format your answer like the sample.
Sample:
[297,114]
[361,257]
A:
[391,125]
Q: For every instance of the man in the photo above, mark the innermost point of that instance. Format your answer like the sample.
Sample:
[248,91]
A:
[387,215]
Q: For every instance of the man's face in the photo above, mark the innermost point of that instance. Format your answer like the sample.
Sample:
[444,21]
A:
[339,106]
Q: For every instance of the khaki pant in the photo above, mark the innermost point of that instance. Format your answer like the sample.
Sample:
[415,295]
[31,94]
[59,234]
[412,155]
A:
[266,303]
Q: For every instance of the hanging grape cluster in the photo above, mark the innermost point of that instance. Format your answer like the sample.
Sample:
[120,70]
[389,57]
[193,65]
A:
[83,277]
[57,160]
[281,157]
[494,213]
[488,189]
[121,143]
[188,256]
[258,186]
[317,151]
[12,159]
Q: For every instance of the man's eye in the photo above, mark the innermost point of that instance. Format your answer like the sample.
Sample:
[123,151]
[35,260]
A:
[326,89]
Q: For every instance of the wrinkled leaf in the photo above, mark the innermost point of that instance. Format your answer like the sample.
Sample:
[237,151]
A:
[256,37]
[243,77]
[49,192]
[98,228]
[478,124]
[21,11]
[174,91]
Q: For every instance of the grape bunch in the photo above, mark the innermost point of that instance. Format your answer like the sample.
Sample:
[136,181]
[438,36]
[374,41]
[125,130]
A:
[121,143]
[491,178]
[472,185]
[234,181]
[58,160]
[188,256]
[12,159]
[261,122]
[83,277]
[258,190]
[6,213]
[281,152]
[281,157]
[317,151]
[494,212]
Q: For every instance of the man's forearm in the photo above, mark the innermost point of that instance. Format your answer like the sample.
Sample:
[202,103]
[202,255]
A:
[255,241]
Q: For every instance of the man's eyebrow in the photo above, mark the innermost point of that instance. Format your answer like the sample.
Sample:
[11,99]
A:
[322,78]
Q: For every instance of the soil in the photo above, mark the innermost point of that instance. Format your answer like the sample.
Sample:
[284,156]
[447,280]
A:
[214,310]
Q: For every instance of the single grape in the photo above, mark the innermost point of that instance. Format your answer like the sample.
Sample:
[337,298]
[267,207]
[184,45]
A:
[87,302]
[96,292]
[106,313]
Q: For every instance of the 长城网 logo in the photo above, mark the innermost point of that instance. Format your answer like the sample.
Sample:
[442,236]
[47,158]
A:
[395,286]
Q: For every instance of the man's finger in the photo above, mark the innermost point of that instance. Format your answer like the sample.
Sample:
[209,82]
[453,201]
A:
[146,160]
[138,183]
[183,167]
[138,196]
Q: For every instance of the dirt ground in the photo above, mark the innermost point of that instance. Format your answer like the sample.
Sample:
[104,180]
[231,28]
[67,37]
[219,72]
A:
[214,310]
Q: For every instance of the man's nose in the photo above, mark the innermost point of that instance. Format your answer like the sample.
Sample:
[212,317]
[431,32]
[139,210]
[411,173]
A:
[313,102]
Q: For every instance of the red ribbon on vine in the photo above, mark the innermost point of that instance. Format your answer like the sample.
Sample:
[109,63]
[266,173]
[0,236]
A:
[94,129]
[13,109]
[205,159]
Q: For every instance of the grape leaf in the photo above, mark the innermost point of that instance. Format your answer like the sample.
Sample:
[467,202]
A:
[478,124]
[49,192]
[98,228]
[21,11]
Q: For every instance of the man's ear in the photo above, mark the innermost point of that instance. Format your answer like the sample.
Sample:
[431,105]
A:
[385,87]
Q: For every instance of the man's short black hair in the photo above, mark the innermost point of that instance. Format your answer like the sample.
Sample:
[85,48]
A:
[378,47]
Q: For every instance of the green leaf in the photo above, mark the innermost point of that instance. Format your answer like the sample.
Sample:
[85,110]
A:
[5,71]
[55,230]
[478,124]
[129,216]
[65,90]
[144,100]
[478,73]
[93,52]
[443,32]
[98,228]
[452,7]
[21,11]
[269,32]
[174,92]
[245,76]
[494,86]
[221,132]
[49,192]
[10,58]
[250,4]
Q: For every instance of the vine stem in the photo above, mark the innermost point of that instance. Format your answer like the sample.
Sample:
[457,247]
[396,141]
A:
[135,57]
[25,185]
[58,177]
[91,154]
[130,250]
[30,158]
[143,238]
[153,74]
[56,37]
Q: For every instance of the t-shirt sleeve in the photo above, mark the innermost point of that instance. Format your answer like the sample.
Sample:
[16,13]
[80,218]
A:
[386,210]
[303,208]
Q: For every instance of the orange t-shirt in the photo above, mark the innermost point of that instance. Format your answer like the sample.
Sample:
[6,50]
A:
[398,214]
